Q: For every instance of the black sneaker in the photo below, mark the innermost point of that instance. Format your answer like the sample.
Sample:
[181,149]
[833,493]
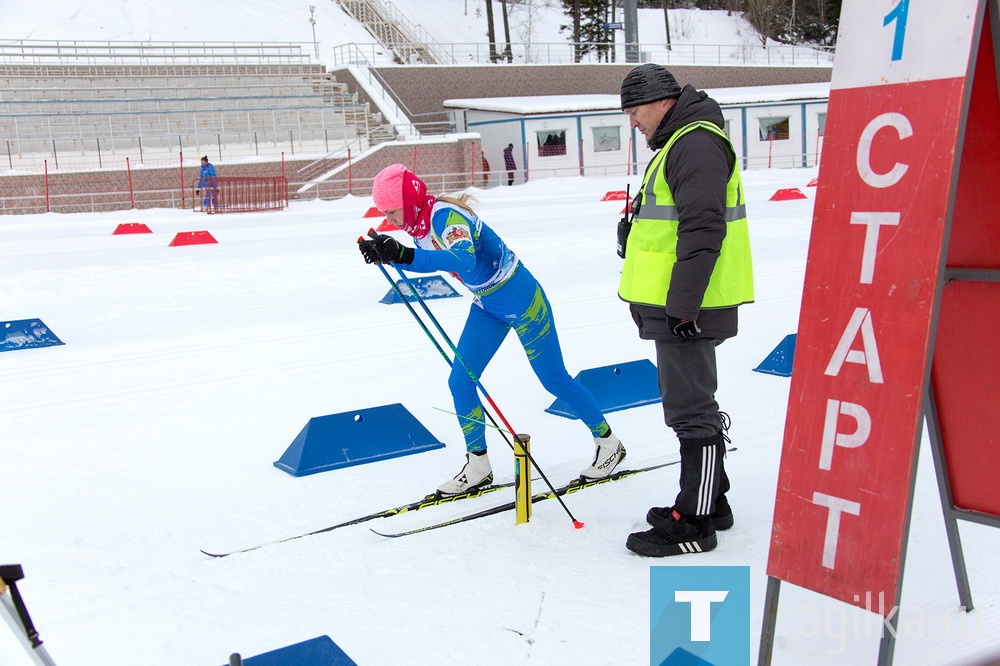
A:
[722,517]
[676,535]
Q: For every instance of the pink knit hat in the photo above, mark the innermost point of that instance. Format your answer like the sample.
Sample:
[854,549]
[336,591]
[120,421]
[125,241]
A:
[387,188]
[397,187]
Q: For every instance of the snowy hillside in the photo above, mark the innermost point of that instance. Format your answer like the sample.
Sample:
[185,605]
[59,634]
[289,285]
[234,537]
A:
[454,22]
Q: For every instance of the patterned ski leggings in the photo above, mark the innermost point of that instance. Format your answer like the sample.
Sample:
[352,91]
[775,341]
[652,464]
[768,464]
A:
[519,304]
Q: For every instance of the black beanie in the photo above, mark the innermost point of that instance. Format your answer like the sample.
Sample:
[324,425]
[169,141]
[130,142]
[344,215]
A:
[648,83]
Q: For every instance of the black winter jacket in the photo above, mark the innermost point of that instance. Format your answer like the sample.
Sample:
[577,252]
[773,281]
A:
[697,170]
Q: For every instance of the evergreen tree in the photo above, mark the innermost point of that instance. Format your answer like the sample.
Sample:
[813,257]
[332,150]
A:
[491,33]
[590,16]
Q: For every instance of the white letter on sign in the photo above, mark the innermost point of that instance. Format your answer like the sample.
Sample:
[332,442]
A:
[862,320]
[872,221]
[701,610]
[832,438]
[903,129]
[836,506]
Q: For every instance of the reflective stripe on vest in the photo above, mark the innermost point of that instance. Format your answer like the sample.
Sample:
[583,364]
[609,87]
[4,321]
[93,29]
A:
[652,243]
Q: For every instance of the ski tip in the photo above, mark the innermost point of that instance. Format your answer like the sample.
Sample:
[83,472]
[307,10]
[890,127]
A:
[214,554]
[577,524]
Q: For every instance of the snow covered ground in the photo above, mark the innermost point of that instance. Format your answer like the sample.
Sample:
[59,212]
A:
[187,371]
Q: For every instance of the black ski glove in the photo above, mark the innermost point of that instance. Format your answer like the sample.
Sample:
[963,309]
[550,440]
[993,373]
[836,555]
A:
[367,248]
[390,250]
[683,328]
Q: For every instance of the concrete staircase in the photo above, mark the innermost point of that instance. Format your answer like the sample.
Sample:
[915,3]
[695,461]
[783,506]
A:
[410,43]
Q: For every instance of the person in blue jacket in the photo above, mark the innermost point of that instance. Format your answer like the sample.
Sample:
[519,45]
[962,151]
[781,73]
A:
[208,183]
[449,236]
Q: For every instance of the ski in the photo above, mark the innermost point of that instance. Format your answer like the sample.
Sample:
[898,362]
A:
[429,500]
[573,486]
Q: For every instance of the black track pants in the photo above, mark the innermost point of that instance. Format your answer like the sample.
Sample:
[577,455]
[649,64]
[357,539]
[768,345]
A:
[703,475]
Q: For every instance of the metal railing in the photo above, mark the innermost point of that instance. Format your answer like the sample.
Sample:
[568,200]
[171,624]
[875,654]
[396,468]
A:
[565,53]
[159,150]
[94,52]
[24,52]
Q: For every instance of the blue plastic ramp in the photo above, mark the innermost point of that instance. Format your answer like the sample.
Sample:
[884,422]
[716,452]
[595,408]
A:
[779,361]
[320,651]
[616,387]
[355,438]
[428,288]
[26,334]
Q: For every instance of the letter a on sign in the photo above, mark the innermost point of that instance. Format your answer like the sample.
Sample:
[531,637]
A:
[862,363]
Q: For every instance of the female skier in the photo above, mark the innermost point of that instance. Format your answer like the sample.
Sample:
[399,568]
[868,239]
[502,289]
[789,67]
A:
[449,236]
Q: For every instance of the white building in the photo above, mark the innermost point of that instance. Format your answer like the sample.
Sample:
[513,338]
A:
[559,135]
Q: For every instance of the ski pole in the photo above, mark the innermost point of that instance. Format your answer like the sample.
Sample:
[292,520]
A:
[576,523]
[413,312]
[371,232]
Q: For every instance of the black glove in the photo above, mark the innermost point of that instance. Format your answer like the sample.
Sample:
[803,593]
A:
[367,248]
[683,328]
[624,227]
[390,250]
[197,191]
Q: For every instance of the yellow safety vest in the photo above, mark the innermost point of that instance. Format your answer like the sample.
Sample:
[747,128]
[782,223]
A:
[652,243]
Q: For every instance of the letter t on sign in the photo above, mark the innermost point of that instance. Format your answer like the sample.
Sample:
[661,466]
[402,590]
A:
[836,506]
[872,222]
[701,610]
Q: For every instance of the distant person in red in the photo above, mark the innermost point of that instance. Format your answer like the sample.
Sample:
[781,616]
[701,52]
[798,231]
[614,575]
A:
[208,182]
[509,163]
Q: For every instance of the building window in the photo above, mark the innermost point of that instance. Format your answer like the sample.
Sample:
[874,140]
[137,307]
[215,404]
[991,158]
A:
[773,129]
[725,128]
[551,142]
[821,121]
[607,139]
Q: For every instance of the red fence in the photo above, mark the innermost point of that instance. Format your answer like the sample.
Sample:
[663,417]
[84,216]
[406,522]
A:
[241,194]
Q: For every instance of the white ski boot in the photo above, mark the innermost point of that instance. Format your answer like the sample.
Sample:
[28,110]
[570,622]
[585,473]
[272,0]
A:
[609,453]
[477,472]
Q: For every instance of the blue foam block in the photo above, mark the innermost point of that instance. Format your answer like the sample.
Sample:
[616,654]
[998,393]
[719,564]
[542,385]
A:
[428,288]
[355,438]
[616,387]
[320,651]
[26,334]
[779,361]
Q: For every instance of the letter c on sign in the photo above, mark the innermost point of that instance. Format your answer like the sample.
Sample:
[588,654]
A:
[903,129]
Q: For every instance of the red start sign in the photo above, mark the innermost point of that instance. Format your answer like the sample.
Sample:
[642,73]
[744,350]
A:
[863,349]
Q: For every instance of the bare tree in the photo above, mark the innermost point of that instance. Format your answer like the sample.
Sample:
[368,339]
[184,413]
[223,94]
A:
[491,34]
[666,20]
[507,53]
[526,27]
[765,16]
